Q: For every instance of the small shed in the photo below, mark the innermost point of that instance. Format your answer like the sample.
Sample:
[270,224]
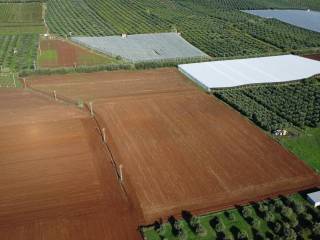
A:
[314,198]
[280,132]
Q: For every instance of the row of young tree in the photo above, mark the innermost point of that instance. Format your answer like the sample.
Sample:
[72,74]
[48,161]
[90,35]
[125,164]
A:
[219,32]
[277,106]
[18,52]
[282,218]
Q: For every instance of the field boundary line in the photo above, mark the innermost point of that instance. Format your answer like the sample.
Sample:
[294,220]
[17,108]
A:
[113,161]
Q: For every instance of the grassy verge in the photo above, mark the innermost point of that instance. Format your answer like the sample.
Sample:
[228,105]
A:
[48,56]
[306,146]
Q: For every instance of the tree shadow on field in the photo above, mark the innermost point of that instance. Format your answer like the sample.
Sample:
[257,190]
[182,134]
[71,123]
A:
[172,220]
[221,236]
[234,231]
[214,221]
[187,216]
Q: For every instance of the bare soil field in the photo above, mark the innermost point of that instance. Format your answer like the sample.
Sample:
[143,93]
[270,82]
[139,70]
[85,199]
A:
[313,56]
[57,53]
[102,85]
[56,178]
[19,106]
[181,149]
[189,151]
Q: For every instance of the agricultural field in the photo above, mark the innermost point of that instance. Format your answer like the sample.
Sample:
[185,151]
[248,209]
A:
[169,133]
[161,128]
[9,79]
[13,51]
[61,53]
[17,18]
[20,24]
[274,107]
[305,144]
[294,107]
[96,155]
[104,85]
[56,178]
[286,217]
[215,29]
[101,18]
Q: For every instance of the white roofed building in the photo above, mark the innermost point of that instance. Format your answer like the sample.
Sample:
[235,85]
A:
[314,198]
[238,72]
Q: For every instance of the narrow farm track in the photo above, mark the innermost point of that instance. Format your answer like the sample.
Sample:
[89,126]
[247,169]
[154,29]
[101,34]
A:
[56,177]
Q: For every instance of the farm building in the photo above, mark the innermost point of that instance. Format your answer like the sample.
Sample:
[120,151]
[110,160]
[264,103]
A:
[314,198]
[143,47]
[232,73]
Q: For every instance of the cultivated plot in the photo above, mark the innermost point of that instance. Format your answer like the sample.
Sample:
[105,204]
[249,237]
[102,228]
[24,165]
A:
[93,86]
[187,151]
[57,53]
[56,178]
[21,17]
[181,149]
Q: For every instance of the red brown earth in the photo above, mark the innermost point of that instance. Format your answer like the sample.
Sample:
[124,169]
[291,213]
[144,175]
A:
[180,148]
[103,85]
[56,176]
[313,56]
[68,54]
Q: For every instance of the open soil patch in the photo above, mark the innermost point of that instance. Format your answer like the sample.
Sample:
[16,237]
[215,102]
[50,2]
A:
[56,178]
[57,53]
[181,149]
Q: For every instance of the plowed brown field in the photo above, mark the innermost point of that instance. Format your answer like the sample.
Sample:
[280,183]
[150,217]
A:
[56,178]
[182,149]
[102,85]
[189,151]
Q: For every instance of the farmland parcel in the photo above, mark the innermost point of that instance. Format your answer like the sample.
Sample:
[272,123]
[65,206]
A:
[61,53]
[55,176]
[232,73]
[143,47]
[179,148]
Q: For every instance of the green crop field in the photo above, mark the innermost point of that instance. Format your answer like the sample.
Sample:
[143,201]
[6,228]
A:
[216,27]
[20,24]
[16,18]
[48,56]
[277,106]
[20,13]
[283,218]
[18,52]
[9,80]
[292,106]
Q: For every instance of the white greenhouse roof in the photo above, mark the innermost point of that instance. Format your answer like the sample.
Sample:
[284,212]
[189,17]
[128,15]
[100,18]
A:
[315,196]
[143,47]
[232,73]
